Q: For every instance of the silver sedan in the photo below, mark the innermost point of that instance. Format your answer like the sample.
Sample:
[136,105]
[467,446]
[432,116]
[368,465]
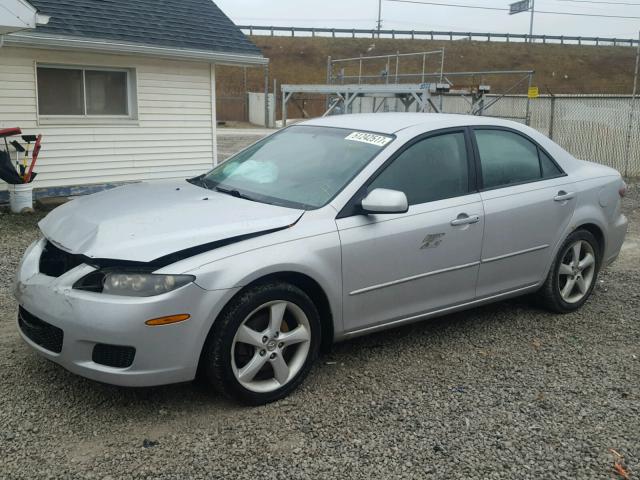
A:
[323,231]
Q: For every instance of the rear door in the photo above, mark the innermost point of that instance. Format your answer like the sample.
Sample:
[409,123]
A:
[528,201]
[396,266]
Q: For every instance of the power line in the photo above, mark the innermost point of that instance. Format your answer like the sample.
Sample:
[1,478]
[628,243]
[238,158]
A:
[506,9]
[600,2]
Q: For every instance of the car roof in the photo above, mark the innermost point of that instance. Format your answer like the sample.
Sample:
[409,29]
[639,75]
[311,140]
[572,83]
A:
[393,122]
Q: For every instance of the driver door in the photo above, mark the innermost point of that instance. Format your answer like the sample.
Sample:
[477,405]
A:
[398,266]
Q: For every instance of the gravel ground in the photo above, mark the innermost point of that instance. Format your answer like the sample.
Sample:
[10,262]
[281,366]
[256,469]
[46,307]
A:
[503,391]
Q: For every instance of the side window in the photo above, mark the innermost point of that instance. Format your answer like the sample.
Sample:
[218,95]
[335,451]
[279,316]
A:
[506,158]
[549,168]
[431,169]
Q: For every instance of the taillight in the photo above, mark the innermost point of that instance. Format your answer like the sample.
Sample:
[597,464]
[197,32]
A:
[623,190]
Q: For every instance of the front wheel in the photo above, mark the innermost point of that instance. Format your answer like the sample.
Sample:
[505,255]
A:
[573,274]
[263,344]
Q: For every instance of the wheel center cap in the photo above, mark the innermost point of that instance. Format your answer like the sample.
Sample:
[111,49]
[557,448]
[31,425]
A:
[271,345]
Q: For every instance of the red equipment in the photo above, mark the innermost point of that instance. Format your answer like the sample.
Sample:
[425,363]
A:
[34,157]
[7,172]
[9,132]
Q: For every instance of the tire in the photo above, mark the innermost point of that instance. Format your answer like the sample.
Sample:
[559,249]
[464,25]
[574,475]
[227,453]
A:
[553,293]
[245,351]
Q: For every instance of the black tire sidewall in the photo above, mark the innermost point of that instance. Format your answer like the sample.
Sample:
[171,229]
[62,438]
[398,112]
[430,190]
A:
[218,367]
[586,236]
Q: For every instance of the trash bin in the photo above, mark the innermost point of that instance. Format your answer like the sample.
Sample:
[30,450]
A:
[21,197]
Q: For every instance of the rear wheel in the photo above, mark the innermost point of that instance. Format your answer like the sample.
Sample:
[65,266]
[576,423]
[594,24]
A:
[263,344]
[573,274]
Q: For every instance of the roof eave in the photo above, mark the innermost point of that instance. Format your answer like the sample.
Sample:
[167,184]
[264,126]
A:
[60,42]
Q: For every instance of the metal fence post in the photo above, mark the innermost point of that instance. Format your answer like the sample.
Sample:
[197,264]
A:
[552,115]
[329,78]
[632,111]
[397,65]
[266,96]
[284,108]
[528,111]
[246,94]
[274,109]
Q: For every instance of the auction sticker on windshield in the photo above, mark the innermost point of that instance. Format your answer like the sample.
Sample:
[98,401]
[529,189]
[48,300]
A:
[372,138]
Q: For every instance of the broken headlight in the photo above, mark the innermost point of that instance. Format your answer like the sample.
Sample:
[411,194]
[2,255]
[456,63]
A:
[132,284]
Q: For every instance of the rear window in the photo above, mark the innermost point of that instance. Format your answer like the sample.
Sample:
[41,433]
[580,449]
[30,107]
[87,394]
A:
[509,158]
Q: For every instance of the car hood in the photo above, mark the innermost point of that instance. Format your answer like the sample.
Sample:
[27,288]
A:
[145,221]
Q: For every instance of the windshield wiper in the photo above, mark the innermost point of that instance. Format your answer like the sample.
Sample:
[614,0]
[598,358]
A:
[234,193]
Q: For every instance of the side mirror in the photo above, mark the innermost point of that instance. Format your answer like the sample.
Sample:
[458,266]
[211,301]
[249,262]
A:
[382,200]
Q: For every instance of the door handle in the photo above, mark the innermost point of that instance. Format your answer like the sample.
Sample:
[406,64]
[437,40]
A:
[464,219]
[563,196]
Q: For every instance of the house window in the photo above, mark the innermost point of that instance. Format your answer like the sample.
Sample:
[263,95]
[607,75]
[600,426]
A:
[88,92]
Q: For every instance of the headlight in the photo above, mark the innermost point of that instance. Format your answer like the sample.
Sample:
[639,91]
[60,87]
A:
[132,284]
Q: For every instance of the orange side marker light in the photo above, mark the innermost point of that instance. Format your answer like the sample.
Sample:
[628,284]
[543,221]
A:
[168,320]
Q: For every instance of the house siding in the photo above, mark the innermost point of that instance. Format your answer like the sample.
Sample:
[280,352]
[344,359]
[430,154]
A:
[171,138]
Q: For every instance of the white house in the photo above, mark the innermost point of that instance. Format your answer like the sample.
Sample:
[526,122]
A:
[121,90]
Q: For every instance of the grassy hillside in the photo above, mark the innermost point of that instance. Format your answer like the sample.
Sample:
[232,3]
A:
[560,68]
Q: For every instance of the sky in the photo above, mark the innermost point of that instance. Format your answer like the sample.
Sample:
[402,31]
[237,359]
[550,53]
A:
[405,16]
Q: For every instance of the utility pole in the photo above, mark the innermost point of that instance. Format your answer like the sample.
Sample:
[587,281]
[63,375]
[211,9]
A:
[533,9]
[379,17]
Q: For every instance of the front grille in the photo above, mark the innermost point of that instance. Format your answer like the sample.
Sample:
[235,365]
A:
[55,262]
[113,355]
[40,332]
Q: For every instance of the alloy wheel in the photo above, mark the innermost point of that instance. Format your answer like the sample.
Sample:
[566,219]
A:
[577,271]
[271,346]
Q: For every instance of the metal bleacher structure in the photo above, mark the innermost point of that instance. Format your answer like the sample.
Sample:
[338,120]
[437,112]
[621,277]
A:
[418,87]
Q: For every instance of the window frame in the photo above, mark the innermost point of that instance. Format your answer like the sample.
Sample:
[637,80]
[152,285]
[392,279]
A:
[131,85]
[539,148]
[353,207]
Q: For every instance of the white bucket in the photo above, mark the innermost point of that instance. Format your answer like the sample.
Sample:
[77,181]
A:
[21,197]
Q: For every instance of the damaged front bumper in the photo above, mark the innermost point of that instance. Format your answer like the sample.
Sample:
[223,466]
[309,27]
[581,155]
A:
[92,324]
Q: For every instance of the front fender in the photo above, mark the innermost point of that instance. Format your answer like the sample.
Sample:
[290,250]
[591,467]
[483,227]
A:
[317,257]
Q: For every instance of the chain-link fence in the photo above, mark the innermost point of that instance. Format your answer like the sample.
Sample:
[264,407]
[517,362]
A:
[597,128]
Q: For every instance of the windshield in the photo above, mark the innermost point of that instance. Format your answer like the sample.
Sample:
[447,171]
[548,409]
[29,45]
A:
[300,167]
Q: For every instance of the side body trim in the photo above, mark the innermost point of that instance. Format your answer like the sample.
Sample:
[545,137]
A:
[513,254]
[445,270]
[412,318]
[412,278]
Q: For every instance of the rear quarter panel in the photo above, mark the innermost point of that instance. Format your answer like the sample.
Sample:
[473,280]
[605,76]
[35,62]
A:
[598,203]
